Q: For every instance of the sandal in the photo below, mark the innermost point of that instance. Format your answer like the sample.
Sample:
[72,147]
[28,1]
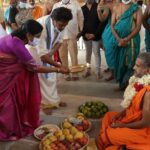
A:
[109,78]
[62,104]
[87,74]
[47,111]
[107,70]
[75,78]
[68,78]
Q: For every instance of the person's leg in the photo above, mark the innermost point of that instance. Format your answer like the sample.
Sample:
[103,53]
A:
[73,50]
[97,55]
[88,48]
[63,53]
[102,140]
[126,136]
[138,146]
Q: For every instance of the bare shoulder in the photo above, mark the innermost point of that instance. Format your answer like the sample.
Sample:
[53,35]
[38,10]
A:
[139,10]
[147,95]
[116,6]
[147,98]
[138,13]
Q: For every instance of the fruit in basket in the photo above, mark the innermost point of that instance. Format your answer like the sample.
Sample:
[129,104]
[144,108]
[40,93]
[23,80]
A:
[61,137]
[58,133]
[66,131]
[79,122]
[73,130]
[80,114]
[52,138]
[83,141]
[68,142]
[80,127]
[69,137]
[76,145]
[78,135]
[93,109]
[67,124]
[80,117]
[85,122]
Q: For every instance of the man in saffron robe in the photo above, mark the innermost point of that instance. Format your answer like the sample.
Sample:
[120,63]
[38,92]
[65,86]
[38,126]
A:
[125,24]
[131,127]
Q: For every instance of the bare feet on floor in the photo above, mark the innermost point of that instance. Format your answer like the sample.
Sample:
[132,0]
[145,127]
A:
[68,78]
[47,111]
[62,104]
[72,78]
[107,70]
[99,76]
[111,77]
[87,74]
[75,78]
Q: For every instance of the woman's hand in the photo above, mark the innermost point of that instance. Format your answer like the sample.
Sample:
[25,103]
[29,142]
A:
[123,43]
[63,70]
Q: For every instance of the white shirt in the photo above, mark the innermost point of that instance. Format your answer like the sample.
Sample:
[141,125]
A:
[42,48]
[72,29]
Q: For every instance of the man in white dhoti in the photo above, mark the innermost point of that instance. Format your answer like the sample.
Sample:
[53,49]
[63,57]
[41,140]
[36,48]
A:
[49,42]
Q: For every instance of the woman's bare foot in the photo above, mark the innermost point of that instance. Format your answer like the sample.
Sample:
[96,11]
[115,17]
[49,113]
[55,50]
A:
[107,70]
[111,77]
[47,111]
[87,74]
[62,104]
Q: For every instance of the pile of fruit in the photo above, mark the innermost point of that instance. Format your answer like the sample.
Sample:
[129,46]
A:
[79,122]
[93,109]
[65,139]
[71,137]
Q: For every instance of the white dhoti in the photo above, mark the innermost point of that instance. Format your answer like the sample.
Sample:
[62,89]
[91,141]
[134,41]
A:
[48,85]
[49,90]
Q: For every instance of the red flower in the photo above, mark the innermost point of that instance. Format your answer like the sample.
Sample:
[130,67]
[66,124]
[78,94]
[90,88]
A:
[138,87]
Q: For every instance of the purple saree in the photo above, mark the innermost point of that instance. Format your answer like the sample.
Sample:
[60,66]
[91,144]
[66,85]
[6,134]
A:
[19,91]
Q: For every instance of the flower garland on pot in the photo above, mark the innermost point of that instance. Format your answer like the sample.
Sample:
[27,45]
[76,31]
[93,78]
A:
[135,85]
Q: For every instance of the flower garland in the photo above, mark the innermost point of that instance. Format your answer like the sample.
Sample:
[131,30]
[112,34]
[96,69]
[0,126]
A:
[135,85]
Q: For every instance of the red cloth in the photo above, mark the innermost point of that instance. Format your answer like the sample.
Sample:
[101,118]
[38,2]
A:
[56,57]
[19,99]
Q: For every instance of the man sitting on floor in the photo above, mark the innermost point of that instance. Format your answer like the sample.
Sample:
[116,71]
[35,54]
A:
[131,127]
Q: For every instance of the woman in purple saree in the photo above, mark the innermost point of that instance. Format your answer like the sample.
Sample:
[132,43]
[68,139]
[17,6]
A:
[19,85]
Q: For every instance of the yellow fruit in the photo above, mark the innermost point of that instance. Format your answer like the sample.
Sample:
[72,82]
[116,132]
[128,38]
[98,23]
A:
[69,138]
[53,138]
[67,125]
[47,147]
[81,117]
[80,114]
[46,142]
[78,135]
[58,133]
[73,130]
[61,137]
[66,131]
